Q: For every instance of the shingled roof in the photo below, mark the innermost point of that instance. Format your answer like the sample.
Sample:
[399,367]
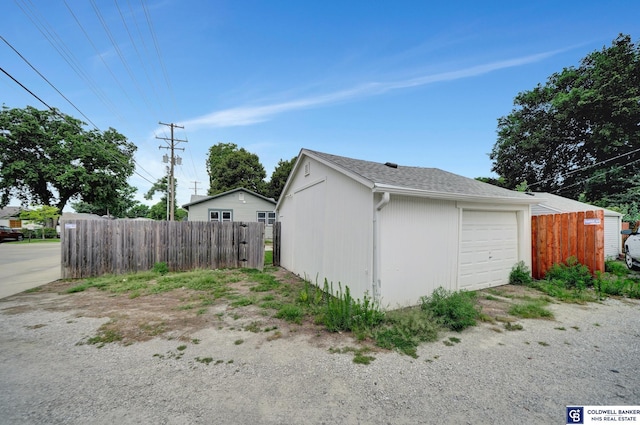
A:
[419,179]
[10,212]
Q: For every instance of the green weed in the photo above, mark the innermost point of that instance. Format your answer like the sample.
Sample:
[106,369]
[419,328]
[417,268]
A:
[531,310]
[161,268]
[290,313]
[454,310]
[520,274]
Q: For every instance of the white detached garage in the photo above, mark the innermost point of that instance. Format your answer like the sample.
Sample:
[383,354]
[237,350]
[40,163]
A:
[397,233]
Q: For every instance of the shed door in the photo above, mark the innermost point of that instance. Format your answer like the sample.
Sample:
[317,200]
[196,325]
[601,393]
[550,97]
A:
[612,237]
[488,248]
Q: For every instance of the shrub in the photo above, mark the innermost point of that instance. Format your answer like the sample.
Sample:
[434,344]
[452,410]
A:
[161,268]
[520,274]
[405,329]
[617,268]
[455,310]
[572,273]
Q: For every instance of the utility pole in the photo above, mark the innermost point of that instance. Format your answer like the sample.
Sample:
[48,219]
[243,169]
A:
[171,142]
[195,187]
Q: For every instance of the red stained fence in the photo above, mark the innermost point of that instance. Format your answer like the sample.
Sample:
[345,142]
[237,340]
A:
[556,237]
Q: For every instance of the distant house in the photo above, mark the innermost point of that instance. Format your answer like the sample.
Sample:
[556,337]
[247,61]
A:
[554,204]
[235,205]
[10,216]
[396,232]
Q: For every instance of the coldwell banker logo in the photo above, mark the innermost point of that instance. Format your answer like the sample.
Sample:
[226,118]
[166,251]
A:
[574,415]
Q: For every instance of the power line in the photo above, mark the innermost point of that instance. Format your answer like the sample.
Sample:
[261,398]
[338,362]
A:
[48,82]
[562,176]
[29,91]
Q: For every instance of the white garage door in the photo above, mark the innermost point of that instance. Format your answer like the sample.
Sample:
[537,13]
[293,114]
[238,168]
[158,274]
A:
[488,248]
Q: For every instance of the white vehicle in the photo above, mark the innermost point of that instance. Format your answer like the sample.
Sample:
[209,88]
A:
[632,249]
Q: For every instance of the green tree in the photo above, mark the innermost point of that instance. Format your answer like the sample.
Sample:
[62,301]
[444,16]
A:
[279,178]
[44,215]
[117,207]
[47,157]
[230,167]
[138,210]
[159,210]
[578,133]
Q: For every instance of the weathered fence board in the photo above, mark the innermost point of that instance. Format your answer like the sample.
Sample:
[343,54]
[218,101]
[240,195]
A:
[277,241]
[97,247]
[556,237]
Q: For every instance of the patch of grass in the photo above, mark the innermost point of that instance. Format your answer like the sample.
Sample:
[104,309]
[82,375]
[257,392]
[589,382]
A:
[454,339]
[617,268]
[557,289]
[561,328]
[454,310]
[531,310]
[544,344]
[513,326]
[242,302]
[405,329]
[153,328]
[268,257]
[265,281]
[491,298]
[253,327]
[291,313]
[105,336]
[181,348]
[205,360]
[238,341]
[360,355]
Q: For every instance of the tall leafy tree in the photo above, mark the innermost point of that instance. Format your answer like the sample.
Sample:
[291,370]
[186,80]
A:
[48,158]
[579,133]
[279,177]
[119,206]
[230,167]
[159,210]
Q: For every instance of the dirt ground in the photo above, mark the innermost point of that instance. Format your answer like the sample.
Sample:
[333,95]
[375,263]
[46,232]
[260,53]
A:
[172,314]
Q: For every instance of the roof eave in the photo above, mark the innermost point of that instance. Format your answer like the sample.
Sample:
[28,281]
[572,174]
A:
[396,190]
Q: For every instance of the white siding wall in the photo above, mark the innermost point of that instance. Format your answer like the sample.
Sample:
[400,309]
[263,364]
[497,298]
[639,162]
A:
[327,228]
[418,243]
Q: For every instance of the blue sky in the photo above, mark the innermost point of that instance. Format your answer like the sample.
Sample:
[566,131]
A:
[412,82]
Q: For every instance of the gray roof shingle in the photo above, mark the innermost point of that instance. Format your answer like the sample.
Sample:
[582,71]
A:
[431,180]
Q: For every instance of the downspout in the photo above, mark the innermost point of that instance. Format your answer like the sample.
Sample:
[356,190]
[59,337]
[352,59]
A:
[376,284]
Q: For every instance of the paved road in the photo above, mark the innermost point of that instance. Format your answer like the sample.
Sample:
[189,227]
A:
[27,265]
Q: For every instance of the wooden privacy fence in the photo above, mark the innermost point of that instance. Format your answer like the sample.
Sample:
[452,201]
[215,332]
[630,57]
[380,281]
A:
[277,243]
[97,247]
[556,237]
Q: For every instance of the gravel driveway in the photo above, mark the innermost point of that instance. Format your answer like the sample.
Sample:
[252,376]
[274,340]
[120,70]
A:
[588,355]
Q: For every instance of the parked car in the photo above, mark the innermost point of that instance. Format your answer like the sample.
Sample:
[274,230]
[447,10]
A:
[632,249]
[7,233]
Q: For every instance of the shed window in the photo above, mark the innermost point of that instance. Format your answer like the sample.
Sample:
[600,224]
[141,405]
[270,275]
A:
[266,217]
[220,215]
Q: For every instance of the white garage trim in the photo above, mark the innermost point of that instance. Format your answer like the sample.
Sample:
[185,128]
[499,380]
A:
[488,248]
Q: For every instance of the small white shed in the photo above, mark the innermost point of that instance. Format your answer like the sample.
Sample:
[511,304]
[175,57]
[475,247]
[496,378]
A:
[234,205]
[549,203]
[396,232]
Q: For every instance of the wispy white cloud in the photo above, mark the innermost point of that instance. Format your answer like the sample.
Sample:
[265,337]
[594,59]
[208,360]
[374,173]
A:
[247,115]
